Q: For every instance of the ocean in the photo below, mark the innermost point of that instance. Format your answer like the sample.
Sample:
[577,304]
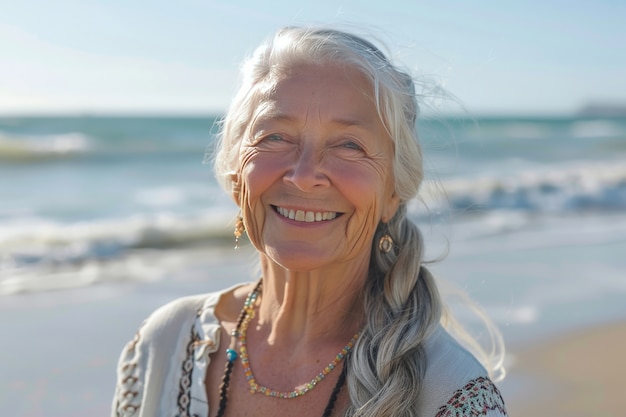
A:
[530,210]
[104,219]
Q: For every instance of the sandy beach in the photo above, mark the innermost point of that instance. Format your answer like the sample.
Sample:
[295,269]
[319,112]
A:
[576,375]
[59,352]
[59,349]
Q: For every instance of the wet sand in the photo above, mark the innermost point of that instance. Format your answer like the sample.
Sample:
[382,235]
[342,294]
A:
[579,374]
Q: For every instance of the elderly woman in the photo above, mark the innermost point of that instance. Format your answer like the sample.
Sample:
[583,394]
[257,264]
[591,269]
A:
[320,153]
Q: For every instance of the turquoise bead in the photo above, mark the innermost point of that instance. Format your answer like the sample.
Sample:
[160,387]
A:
[231,355]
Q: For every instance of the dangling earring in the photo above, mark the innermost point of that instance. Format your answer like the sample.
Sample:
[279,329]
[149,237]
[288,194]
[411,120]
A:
[385,244]
[239,229]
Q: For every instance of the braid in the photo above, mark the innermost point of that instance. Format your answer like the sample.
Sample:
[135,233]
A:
[403,306]
[401,300]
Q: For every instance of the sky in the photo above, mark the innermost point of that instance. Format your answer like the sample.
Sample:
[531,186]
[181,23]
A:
[153,56]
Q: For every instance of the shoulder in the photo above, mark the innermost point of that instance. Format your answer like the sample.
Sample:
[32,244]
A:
[159,346]
[173,323]
[478,397]
[170,316]
[164,324]
[169,320]
[456,383]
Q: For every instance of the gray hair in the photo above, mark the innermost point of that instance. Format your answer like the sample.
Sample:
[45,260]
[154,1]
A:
[402,303]
[394,94]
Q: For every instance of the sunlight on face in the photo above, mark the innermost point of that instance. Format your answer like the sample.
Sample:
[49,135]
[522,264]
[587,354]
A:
[316,169]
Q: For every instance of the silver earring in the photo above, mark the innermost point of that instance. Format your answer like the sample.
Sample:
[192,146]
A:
[239,229]
[385,244]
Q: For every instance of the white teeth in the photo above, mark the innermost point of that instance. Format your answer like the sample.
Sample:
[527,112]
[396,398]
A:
[328,215]
[306,216]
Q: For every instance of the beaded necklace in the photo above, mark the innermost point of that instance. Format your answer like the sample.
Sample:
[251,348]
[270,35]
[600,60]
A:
[245,317]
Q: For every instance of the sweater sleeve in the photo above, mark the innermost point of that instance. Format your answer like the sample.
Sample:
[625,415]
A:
[479,397]
[150,363]
[456,384]
[130,377]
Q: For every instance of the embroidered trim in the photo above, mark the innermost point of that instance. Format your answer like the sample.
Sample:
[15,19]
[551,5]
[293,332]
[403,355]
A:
[128,401]
[476,398]
[184,387]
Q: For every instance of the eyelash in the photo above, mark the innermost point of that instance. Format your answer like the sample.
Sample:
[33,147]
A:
[273,137]
[348,144]
[352,145]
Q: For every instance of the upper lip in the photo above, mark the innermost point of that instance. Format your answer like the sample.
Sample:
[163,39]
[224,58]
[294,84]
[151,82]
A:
[306,215]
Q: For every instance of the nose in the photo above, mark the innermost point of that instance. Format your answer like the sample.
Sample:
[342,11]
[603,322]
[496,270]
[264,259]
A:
[307,173]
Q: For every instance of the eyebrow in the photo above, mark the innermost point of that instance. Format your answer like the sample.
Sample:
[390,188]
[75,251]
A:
[279,116]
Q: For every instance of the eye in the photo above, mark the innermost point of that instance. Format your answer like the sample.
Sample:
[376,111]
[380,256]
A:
[273,138]
[350,144]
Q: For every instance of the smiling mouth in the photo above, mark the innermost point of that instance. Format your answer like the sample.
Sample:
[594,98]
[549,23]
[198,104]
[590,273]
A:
[306,216]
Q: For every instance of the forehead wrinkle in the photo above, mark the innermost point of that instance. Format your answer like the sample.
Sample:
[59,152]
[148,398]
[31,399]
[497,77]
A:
[270,110]
[311,104]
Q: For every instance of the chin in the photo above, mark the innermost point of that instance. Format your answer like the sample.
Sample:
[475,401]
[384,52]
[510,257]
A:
[306,259]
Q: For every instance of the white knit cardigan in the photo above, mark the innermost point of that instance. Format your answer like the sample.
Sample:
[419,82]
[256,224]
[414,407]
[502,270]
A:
[161,372]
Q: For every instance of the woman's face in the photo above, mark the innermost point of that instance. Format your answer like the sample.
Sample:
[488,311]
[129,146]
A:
[316,169]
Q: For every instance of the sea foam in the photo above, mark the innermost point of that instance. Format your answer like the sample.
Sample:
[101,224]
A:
[41,147]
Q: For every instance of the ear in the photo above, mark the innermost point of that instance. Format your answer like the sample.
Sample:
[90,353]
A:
[235,181]
[390,208]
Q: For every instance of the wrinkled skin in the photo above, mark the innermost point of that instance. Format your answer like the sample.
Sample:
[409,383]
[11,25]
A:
[316,143]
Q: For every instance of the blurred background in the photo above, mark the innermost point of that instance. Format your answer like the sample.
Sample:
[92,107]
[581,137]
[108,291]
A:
[108,110]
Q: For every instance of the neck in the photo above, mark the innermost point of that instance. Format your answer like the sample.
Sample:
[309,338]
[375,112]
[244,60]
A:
[307,308]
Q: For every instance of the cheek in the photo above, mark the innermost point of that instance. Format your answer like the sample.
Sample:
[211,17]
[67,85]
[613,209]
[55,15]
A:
[252,211]
[366,188]
[260,171]
[363,181]
[257,175]
[252,214]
